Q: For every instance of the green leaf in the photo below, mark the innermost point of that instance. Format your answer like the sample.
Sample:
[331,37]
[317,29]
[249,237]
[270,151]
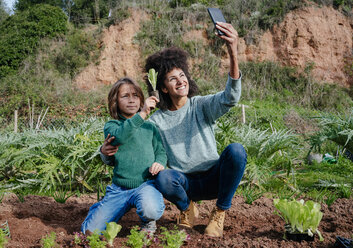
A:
[152,78]
[302,216]
[111,231]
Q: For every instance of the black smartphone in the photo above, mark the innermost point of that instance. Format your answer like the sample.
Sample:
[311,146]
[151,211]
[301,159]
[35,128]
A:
[216,16]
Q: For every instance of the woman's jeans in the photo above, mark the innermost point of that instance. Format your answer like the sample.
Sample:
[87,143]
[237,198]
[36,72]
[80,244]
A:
[220,182]
[117,201]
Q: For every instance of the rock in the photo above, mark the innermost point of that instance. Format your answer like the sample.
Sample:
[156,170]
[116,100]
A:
[314,157]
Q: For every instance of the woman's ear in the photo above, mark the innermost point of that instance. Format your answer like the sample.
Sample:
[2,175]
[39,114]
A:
[165,90]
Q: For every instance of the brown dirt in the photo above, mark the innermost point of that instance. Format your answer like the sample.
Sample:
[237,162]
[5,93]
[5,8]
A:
[318,35]
[245,226]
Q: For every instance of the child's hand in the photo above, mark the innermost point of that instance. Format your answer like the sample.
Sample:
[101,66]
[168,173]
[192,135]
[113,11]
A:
[156,168]
[107,148]
[150,103]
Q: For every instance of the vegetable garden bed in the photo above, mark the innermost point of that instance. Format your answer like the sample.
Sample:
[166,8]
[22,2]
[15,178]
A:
[246,225]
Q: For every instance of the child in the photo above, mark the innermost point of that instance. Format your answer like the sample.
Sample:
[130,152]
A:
[140,156]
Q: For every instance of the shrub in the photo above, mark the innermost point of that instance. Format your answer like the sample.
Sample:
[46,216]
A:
[21,32]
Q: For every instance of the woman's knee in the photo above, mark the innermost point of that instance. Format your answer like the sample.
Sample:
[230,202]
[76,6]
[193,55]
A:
[237,153]
[166,180]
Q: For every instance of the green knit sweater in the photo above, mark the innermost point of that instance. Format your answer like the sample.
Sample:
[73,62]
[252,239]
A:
[140,146]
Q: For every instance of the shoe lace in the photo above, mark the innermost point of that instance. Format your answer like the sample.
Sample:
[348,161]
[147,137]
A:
[217,217]
[184,215]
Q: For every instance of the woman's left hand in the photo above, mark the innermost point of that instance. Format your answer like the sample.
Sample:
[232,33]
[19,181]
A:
[156,168]
[231,35]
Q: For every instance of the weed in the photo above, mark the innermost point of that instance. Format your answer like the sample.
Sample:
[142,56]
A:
[330,199]
[20,193]
[344,191]
[62,194]
[251,194]
[49,241]
[2,195]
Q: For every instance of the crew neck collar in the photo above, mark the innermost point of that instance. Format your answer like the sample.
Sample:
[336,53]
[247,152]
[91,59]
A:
[178,111]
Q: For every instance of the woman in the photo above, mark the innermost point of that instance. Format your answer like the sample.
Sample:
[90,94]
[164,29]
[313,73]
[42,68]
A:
[186,124]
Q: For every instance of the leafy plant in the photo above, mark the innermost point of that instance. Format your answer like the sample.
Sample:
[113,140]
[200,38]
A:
[251,194]
[302,217]
[61,194]
[2,195]
[111,231]
[3,238]
[80,239]
[174,238]
[152,78]
[45,159]
[137,239]
[6,229]
[337,128]
[49,240]
[94,240]
[266,150]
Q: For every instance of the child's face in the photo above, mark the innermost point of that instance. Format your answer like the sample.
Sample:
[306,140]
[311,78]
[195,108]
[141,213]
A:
[128,101]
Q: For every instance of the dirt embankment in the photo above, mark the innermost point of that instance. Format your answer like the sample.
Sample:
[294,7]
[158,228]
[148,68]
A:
[318,35]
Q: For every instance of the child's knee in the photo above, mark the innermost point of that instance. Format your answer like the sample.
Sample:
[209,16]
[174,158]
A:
[153,211]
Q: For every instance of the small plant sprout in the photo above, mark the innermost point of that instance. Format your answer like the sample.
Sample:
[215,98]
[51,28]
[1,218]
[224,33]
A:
[111,231]
[94,240]
[48,241]
[138,239]
[152,78]
[6,229]
[302,217]
[3,238]
[173,238]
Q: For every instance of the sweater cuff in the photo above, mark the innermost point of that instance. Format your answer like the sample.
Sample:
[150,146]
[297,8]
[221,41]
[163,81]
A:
[233,79]
[137,120]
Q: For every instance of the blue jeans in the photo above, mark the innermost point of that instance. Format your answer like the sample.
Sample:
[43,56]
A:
[117,201]
[220,182]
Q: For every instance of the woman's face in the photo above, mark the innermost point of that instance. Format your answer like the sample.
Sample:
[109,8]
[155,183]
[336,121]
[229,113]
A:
[176,84]
[128,101]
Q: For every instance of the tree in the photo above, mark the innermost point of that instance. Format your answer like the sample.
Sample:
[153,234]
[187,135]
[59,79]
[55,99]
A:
[4,11]
[21,5]
[88,11]
[21,32]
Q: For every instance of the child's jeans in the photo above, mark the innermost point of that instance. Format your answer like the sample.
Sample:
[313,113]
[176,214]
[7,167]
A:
[220,182]
[117,201]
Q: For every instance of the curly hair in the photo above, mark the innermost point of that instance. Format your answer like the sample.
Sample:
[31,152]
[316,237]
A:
[113,106]
[163,62]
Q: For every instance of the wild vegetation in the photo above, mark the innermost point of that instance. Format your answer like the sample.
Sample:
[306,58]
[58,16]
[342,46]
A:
[63,159]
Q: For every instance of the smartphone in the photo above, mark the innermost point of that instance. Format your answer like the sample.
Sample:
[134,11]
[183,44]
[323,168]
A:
[216,16]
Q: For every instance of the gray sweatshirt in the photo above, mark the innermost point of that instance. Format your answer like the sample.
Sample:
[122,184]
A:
[188,133]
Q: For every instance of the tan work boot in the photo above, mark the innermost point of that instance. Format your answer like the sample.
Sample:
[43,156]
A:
[215,225]
[187,217]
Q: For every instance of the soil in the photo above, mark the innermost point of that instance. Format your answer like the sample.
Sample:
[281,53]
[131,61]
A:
[246,225]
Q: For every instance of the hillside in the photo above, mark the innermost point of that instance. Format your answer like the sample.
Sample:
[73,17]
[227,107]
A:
[321,36]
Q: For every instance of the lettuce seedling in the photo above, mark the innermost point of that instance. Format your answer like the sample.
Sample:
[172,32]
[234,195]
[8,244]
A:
[302,217]
[152,78]
[111,231]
